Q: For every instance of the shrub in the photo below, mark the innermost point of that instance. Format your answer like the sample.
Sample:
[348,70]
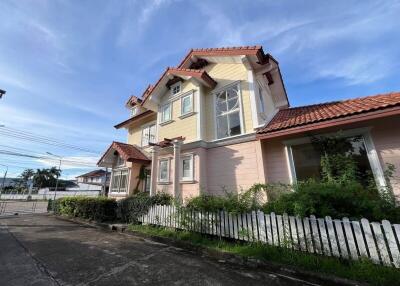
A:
[131,208]
[337,200]
[246,201]
[100,208]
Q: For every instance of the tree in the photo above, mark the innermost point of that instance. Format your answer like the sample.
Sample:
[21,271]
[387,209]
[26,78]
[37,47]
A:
[44,178]
[25,176]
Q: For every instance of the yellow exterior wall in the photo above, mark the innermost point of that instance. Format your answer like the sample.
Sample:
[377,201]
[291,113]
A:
[185,127]
[225,74]
[135,130]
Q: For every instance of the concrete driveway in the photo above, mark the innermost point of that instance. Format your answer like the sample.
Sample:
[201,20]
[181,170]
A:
[42,250]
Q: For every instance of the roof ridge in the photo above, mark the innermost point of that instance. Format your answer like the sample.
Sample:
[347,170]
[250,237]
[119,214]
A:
[344,100]
[255,47]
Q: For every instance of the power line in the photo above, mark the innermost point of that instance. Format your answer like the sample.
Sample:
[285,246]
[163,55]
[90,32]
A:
[2,152]
[29,136]
[46,158]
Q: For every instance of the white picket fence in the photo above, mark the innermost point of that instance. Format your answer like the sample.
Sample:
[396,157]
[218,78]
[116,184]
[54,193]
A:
[346,239]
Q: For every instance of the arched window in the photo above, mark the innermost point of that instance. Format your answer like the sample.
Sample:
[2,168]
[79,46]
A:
[228,112]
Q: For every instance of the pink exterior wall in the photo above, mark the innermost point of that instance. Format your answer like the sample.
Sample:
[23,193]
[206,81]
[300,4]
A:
[386,137]
[234,167]
[188,189]
[275,161]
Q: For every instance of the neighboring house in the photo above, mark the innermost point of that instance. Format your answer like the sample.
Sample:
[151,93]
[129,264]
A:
[221,121]
[92,181]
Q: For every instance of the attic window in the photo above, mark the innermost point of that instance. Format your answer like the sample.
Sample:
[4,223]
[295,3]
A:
[134,111]
[176,88]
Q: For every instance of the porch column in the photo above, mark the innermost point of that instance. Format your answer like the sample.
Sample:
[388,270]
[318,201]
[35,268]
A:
[153,174]
[177,161]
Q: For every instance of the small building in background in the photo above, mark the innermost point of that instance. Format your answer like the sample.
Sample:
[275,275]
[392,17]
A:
[92,181]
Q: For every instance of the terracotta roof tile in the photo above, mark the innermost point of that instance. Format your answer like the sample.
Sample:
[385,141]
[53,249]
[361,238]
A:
[224,51]
[128,152]
[303,115]
[201,74]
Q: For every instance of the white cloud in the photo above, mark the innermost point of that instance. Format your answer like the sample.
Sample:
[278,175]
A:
[355,69]
[135,19]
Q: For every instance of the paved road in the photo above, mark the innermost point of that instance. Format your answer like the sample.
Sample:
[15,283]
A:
[8,208]
[42,250]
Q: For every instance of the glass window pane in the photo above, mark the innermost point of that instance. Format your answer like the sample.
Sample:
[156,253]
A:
[152,134]
[163,170]
[222,126]
[186,172]
[186,104]
[233,104]
[221,96]
[307,162]
[231,93]
[234,124]
[166,113]
[221,107]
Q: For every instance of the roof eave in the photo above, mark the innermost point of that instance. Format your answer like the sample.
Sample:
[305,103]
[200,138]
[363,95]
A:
[331,123]
[132,119]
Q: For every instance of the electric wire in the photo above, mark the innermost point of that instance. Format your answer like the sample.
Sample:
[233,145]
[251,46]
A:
[28,136]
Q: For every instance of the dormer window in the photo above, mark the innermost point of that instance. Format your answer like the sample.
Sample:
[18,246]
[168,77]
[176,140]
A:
[134,111]
[176,88]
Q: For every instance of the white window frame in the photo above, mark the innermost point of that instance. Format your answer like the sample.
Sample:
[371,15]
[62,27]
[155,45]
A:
[162,120]
[191,177]
[372,155]
[215,93]
[167,180]
[148,126]
[134,111]
[174,86]
[119,170]
[191,104]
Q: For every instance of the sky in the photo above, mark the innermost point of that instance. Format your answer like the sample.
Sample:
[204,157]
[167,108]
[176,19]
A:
[69,66]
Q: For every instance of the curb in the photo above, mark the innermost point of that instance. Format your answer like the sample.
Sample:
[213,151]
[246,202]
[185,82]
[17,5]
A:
[291,272]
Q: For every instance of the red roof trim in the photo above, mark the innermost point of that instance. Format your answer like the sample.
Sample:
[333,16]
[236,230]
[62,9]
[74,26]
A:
[201,74]
[128,152]
[332,123]
[226,51]
[134,118]
[305,115]
[376,114]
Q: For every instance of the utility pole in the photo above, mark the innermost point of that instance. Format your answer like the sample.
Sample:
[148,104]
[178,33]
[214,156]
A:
[4,179]
[105,182]
[2,92]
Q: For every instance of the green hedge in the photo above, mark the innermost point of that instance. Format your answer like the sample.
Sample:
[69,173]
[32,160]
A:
[337,200]
[131,208]
[99,209]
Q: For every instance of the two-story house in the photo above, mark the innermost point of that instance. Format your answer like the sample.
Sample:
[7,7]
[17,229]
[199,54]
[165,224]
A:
[221,121]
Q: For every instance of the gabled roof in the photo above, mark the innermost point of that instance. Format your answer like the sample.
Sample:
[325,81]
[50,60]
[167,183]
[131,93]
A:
[95,173]
[128,152]
[133,100]
[134,118]
[201,75]
[228,51]
[364,108]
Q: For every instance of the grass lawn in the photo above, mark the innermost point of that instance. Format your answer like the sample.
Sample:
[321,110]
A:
[363,271]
